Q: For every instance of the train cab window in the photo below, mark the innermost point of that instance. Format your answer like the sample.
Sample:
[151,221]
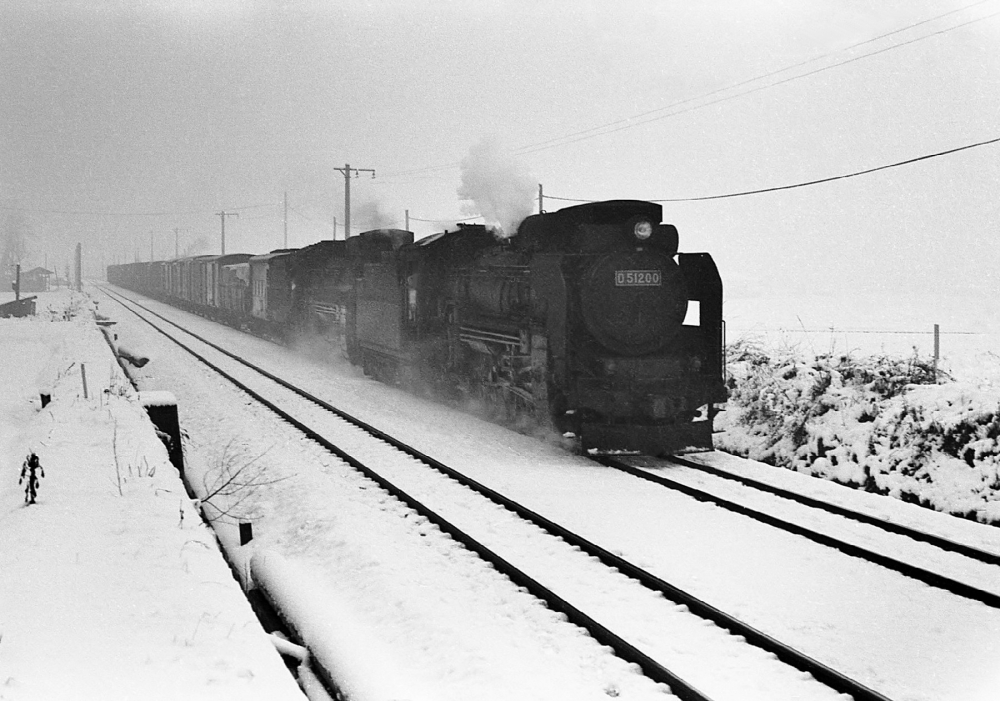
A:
[693,317]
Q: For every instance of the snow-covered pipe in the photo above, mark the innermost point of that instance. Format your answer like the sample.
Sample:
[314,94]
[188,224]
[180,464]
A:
[289,649]
[340,645]
[136,358]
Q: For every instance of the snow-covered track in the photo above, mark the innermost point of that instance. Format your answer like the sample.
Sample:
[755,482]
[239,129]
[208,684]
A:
[786,654]
[621,647]
[969,551]
[921,574]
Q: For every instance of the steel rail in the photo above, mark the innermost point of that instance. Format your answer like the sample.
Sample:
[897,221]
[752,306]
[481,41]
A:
[826,675]
[890,526]
[623,649]
[920,574]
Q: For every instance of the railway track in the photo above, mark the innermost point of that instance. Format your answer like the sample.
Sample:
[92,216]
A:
[922,574]
[399,459]
[547,529]
[706,464]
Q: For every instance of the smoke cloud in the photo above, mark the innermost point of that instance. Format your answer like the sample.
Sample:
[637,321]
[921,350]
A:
[370,215]
[497,187]
[195,248]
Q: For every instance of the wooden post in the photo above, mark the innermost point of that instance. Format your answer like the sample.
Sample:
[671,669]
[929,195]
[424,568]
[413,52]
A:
[83,374]
[937,349]
[347,201]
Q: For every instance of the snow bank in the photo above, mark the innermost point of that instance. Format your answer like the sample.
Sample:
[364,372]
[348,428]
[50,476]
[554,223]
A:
[111,587]
[884,424]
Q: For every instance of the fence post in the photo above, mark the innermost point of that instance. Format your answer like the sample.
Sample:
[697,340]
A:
[83,374]
[937,349]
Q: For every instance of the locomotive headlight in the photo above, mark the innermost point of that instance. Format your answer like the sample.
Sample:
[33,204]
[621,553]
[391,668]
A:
[643,230]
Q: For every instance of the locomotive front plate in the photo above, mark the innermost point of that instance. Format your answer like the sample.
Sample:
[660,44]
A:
[638,278]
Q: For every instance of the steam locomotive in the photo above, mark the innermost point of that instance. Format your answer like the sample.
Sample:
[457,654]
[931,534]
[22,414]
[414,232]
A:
[587,320]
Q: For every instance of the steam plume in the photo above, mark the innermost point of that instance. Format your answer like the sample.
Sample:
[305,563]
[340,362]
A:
[195,247]
[498,187]
[371,215]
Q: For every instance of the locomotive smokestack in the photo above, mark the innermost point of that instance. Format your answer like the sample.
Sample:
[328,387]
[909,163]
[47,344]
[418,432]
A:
[497,187]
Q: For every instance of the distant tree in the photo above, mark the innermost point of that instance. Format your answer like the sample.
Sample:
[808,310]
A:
[13,246]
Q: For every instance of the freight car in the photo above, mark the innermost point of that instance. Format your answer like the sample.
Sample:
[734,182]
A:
[587,320]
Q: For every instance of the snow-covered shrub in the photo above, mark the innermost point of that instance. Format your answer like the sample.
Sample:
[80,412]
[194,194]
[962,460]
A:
[889,425]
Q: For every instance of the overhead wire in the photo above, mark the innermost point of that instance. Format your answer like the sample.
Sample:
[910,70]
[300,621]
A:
[632,124]
[135,214]
[808,182]
[446,220]
[632,121]
[306,217]
[527,148]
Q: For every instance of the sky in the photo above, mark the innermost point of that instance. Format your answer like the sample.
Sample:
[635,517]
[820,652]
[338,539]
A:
[126,124]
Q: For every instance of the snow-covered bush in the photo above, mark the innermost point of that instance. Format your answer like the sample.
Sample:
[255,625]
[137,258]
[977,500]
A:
[889,425]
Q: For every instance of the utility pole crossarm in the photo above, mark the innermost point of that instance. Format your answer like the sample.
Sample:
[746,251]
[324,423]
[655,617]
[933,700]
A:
[346,171]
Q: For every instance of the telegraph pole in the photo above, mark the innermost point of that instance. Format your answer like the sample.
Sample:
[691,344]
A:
[286,220]
[346,170]
[407,220]
[177,248]
[223,214]
[335,228]
[541,206]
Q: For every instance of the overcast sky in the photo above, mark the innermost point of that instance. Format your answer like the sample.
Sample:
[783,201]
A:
[112,111]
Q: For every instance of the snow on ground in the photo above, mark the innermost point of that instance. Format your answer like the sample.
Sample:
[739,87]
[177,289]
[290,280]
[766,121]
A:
[402,610]
[908,640]
[399,609]
[110,585]
[859,402]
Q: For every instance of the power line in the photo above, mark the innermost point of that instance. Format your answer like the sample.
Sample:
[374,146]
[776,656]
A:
[632,124]
[528,148]
[307,218]
[134,214]
[629,122]
[446,220]
[809,182]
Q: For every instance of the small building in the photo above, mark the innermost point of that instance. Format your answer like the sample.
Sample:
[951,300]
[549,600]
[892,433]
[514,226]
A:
[35,280]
